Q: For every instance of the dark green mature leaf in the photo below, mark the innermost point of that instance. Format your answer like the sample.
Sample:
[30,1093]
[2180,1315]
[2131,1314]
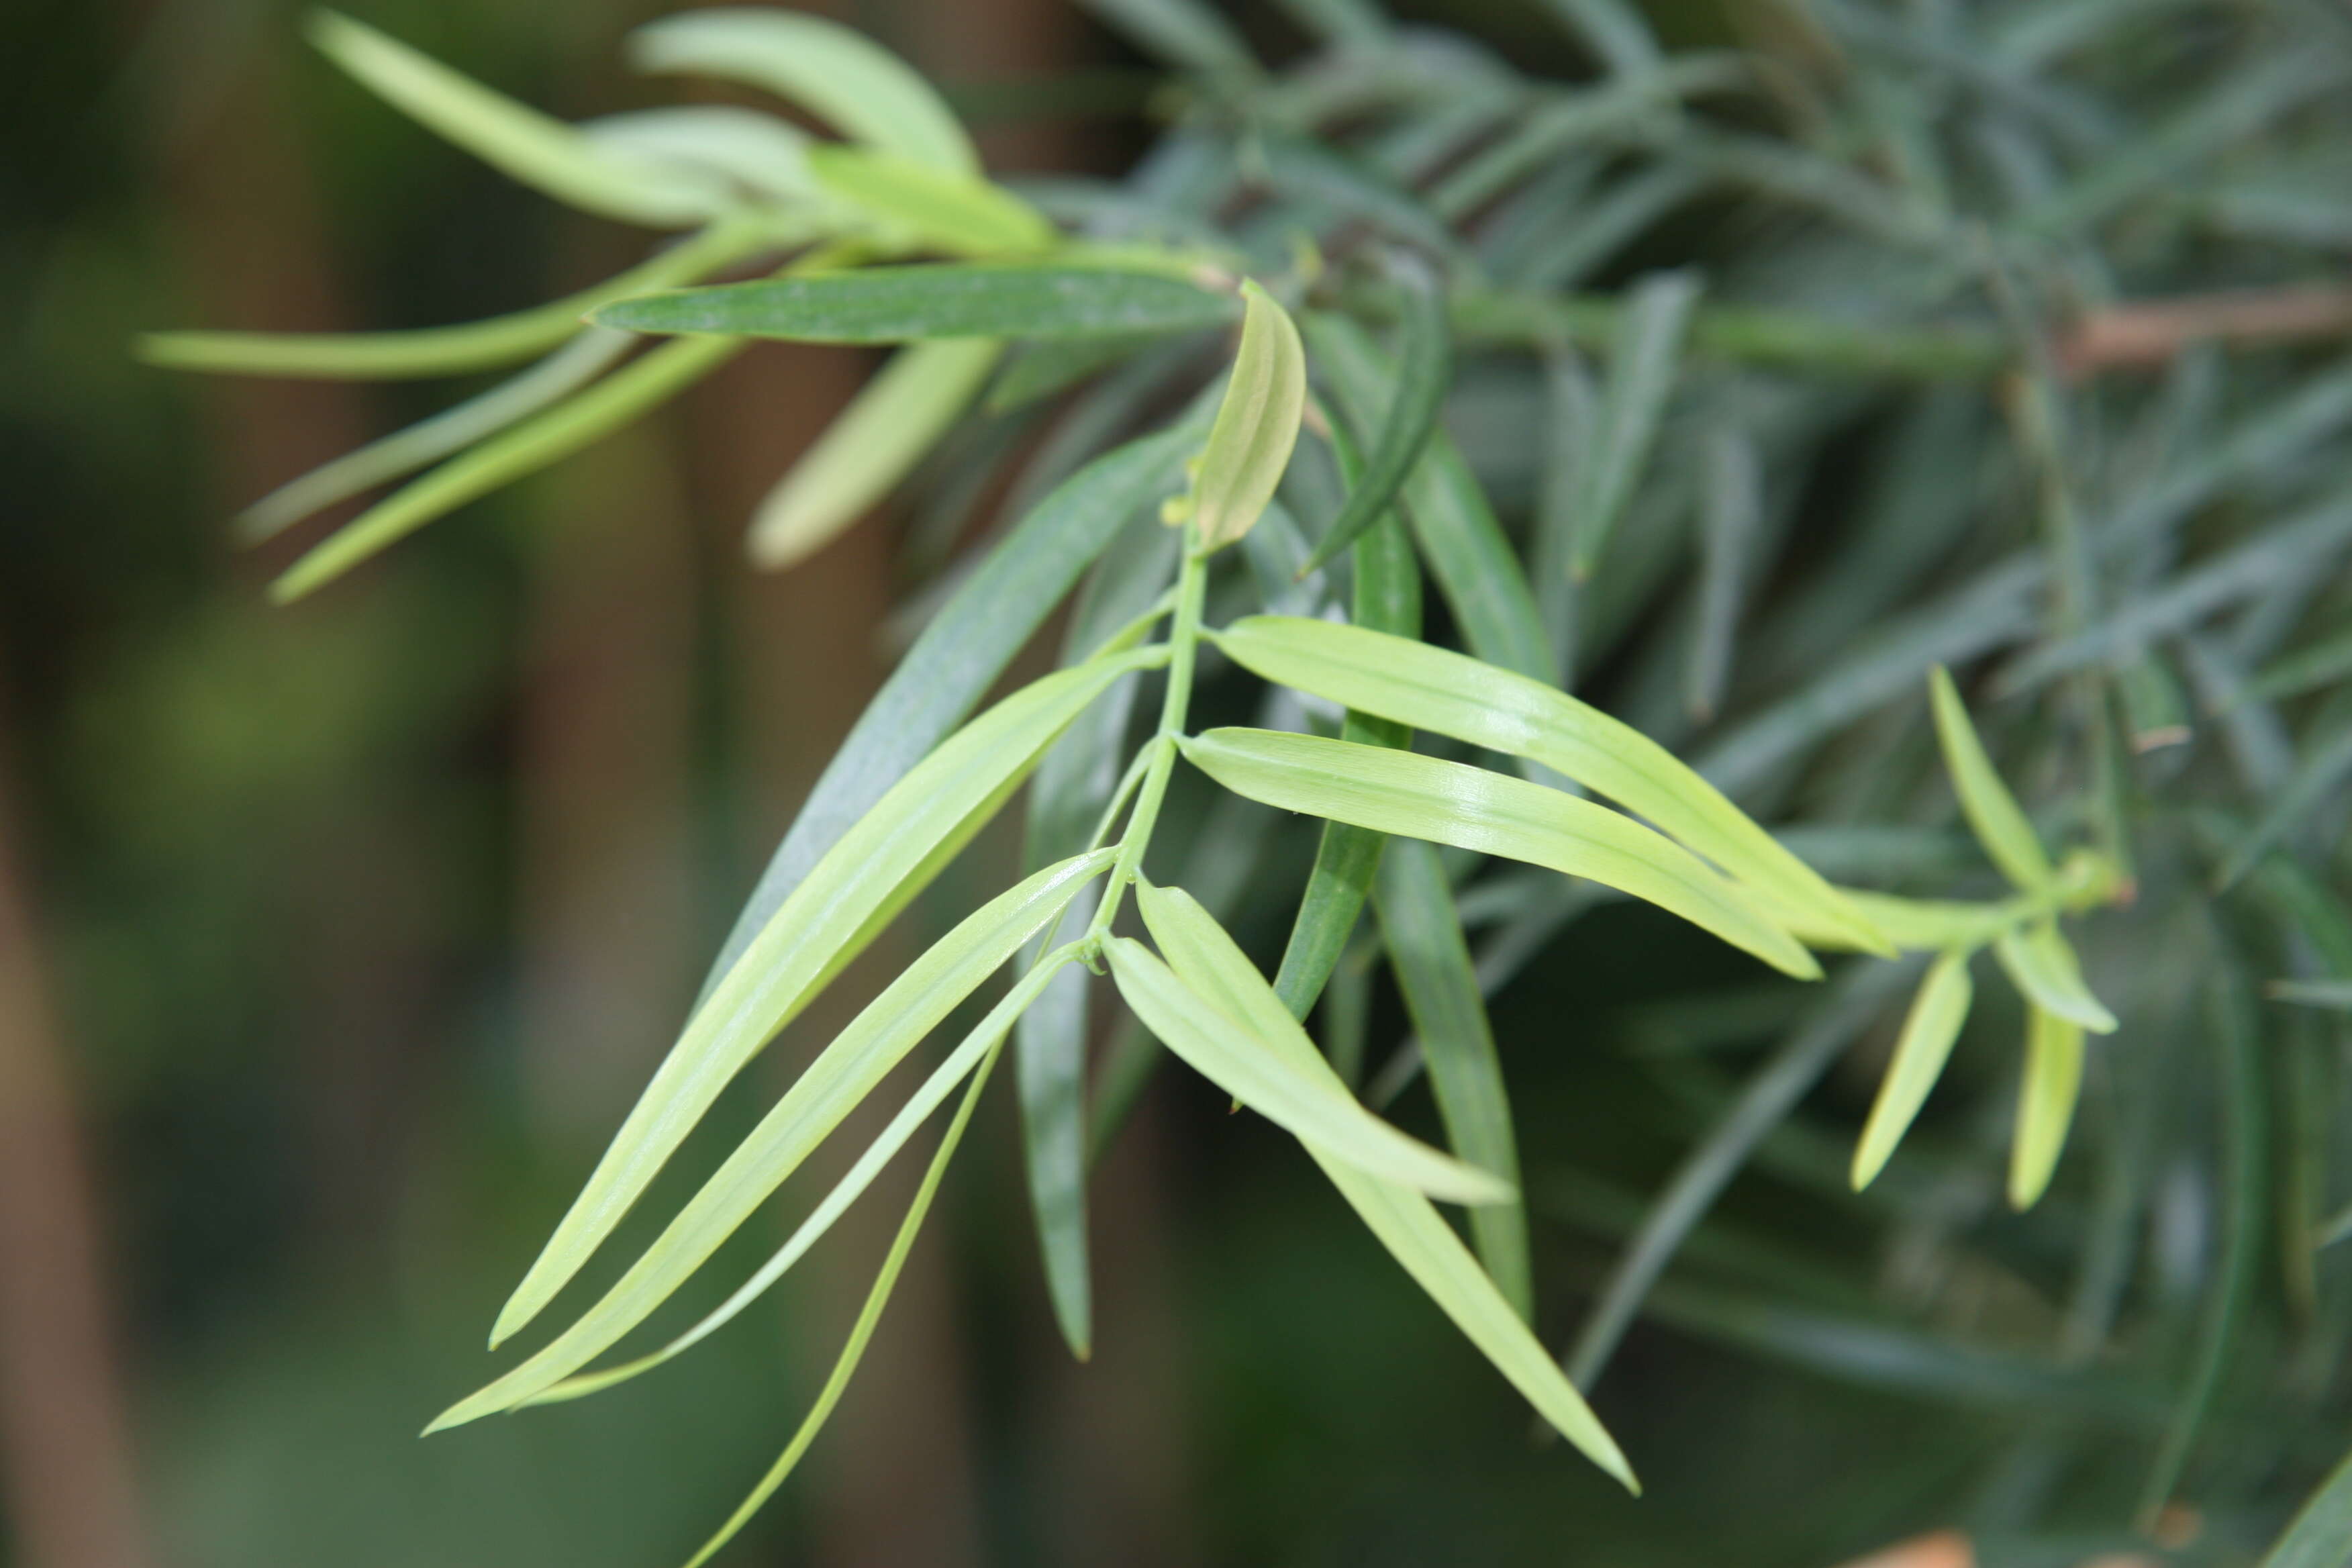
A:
[1457,530]
[1424,368]
[1301,168]
[1397,792]
[829,1088]
[1311,1106]
[1431,689]
[896,304]
[1431,959]
[1203,958]
[1184,33]
[2320,1534]
[961,654]
[891,853]
[1634,399]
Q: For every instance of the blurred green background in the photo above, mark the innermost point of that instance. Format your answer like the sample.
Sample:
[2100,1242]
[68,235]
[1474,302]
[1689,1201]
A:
[334,940]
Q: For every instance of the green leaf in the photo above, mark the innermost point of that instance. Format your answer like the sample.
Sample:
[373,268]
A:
[2335,995]
[578,421]
[835,72]
[1431,959]
[2320,1534]
[1400,793]
[860,1333]
[1312,1106]
[1316,173]
[961,654]
[2319,774]
[1206,960]
[1040,369]
[895,418]
[1425,369]
[2041,964]
[429,440]
[1929,1030]
[1633,401]
[1184,33]
[1613,30]
[763,155]
[832,1085]
[541,153]
[1991,810]
[870,872]
[894,304]
[1465,547]
[1050,1052]
[1735,509]
[1433,689]
[444,350]
[933,208]
[2045,1104]
[1256,425]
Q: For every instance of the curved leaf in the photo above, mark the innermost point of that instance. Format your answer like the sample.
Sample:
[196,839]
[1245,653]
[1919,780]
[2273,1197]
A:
[1423,371]
[1433,689]
[1397,792]
[1991,810]
[2043,965]
[1633,401]
[836,73]
[1929,1030]
[874,868]
[758,153]
[2045,1104]
[894,419]
[895,304]
[1256,426]
[952,211]
[542,153]
[1311,1107]
[1206,959]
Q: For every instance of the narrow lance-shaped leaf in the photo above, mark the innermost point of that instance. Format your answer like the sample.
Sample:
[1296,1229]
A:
[828,1090]
[1256,425]
[874,868]
[896,304]
[540,151]
[930,206]
[895,418]
[1423,370]
[1433,689]
[428,440]
[1311,1107]
[835,72]
[1734,507]
[1431,959]
[446,351]
[1991,810]
[2320,1536]
[2043,965]
[1186,32]
[861,1332]
[766,156]
[1467,551]
[1200,952]
[959,655]
[1448,802]
[1929,1029]
[586,417]
[2051,1083]
[1633,401]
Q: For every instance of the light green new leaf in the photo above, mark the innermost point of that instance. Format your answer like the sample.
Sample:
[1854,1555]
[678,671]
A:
[1641,378]
[1991,810]
[894,419]
[835,72]
[1449,803]
[2046,1093]
[1423,932]
[934,208]
[860,1333]
[542,153]
[1256,425]
[1433,689]
[1206,960]
[1423,372]
[578,421]
[1929,1029]
[896,304]
[764,155]
[1311,1107]
[446,351]
[867,876]
[2041,964]
[829,1088]
[429,440]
